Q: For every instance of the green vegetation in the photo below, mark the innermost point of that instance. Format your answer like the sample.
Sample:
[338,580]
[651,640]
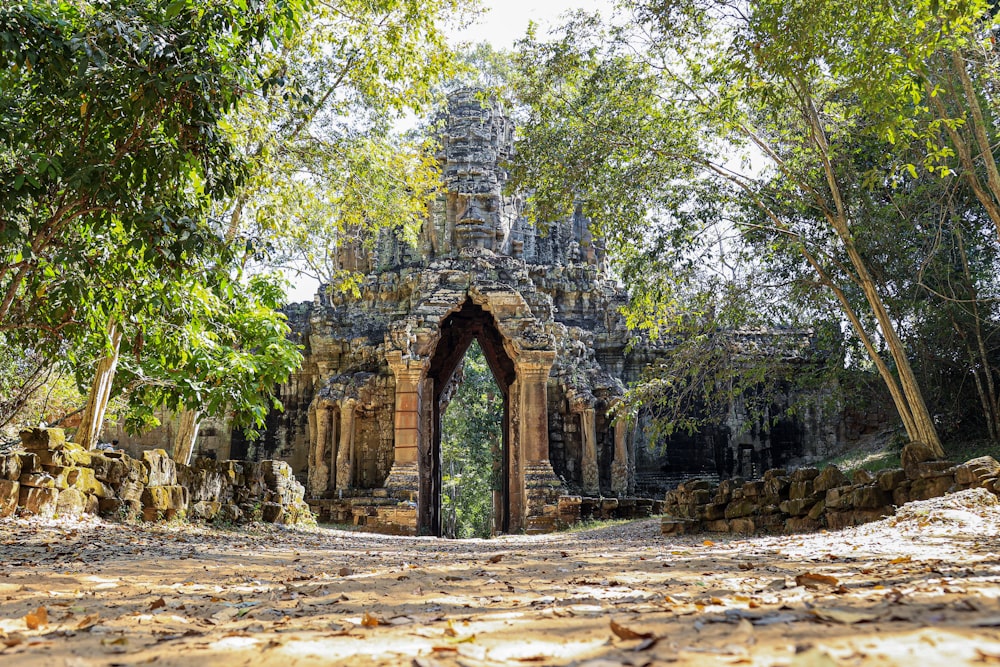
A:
[471,440]
[157,156]
[784,164]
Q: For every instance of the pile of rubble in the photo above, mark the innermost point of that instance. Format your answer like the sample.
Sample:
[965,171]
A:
[810,499]
[54,477]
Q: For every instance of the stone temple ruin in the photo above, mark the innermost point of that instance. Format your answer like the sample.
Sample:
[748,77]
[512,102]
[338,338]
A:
[362,424]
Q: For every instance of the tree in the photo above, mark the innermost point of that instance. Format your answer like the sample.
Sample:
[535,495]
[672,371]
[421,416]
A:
[470,449]
[653,114]
[328,169]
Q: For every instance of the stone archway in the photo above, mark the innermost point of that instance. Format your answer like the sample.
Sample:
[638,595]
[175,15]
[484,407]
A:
[458,330]
[423,355]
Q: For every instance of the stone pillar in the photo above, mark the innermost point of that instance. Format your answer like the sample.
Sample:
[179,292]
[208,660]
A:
[407,429]
[534,486]
[588,434]
[345,452]
[319,466]
[620,466]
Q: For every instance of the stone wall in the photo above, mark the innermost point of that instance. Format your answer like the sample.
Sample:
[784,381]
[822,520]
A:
[54,477]
[809,499]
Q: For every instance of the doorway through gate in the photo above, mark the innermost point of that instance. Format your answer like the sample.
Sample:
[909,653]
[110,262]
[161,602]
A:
[458,330]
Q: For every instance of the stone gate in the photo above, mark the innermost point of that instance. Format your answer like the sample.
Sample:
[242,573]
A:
[362,424]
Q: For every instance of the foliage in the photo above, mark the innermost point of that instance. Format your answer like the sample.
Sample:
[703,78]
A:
[109,114]
[773,120]
[220,348]
[470,447]
[328,170]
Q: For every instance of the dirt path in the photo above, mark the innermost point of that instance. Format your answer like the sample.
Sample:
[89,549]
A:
[920,589]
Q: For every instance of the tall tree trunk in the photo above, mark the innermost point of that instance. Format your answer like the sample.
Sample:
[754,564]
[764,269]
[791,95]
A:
[187,434]
[920,418]
[100,392]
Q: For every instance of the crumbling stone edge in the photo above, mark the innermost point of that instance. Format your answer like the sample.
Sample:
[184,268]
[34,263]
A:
[54,477]
[809,499]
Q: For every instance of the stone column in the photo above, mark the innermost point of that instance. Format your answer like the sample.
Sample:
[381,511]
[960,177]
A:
[620,467]
[319,467]
[345,452]
[407,429]
[534,509]
[588,434]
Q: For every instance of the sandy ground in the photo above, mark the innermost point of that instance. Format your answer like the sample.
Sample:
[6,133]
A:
[918,589]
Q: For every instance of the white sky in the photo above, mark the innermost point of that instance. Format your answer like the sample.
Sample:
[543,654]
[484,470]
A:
[503,23]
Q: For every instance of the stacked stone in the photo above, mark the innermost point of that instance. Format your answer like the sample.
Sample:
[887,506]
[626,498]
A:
[54,477]
[809,499]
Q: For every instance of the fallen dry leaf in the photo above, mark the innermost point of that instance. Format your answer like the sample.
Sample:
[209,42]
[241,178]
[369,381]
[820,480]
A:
[88,621]
[370,620]
[814,580]
[496,559]
[37,619]
[157,604]
[13,639]
[624,632]
[845,616]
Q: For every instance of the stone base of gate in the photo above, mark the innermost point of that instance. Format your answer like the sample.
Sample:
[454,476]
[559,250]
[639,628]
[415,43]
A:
[372,510]
[404,481]
[542,488]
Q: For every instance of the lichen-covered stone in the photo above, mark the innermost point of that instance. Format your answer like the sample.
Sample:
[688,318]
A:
[41,439]
[830,477]
[71,503]
[9,494]
[38,501]
[977,470]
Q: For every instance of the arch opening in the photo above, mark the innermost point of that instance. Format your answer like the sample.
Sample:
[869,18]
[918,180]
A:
[470,322]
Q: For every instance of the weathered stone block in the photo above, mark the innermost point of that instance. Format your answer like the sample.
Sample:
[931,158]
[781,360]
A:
[87,482]
[753,489]
[975,471]
[831,477]
[42,480]
[162,471]
[838,520]
[861,477]
[29,463]
[10,492]
[10,467]
[930,487]
[671,525]
[67,454]
[740,508]
[797,507]
[804,475]
[776,487]
[838,498]
[744,525]
[914,453]
[274,513]
[801,489]
[718,526]
[932,469]
[39,501]
[775,473]
[40,439]
[164,498]
[869,497]
[817,511]
[71,502]
[205,510]
[712,511]
[801,524]
[890,478]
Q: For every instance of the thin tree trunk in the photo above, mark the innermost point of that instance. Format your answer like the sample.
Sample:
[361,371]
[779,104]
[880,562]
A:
[92,421]
[925,430]
[187,434]
[978,123]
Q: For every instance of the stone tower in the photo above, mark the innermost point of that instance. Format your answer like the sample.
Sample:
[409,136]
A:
[363,417]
